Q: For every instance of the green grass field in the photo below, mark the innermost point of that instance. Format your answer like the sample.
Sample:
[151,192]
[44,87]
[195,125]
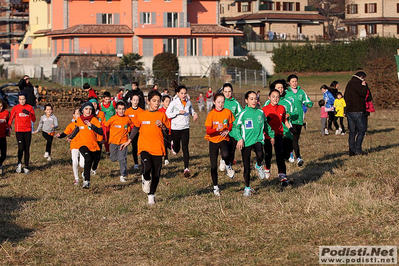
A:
[334,200]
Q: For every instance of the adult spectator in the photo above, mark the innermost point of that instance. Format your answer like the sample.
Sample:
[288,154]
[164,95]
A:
[27,87]
[334,88]
[355,96]
[209,99]
[90,91]
[135,91]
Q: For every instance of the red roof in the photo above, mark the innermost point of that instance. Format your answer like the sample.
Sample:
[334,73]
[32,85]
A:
[96,29]
[213,29]
[42,31]
[278,16]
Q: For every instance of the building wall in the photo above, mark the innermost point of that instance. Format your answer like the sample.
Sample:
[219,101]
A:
[202,12]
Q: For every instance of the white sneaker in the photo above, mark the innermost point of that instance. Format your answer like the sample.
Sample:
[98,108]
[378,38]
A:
[337,132]
[26,171]
[122,179]
[299,161]
[261,173]
[76,182]
[86,184]
[222,165]
[291,159]
[151,199]
[230,172]
[45,155]
[145,184]
[186,172]
[93,172]
[216,191]
[326,132]
[49,159]
[340,130]
[267,173]
[247,192]
[19,168]
[136,166]
[166,162]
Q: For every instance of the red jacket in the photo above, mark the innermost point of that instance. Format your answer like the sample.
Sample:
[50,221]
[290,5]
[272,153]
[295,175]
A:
[4,117]
[92,94]
[22,120]
[275,117]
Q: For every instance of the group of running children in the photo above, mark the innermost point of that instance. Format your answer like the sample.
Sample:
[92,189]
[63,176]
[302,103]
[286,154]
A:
[151,132]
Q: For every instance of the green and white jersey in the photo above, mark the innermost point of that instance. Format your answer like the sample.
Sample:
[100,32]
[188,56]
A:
[233,105]
[298,99]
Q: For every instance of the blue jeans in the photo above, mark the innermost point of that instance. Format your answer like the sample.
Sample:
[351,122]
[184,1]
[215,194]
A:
[357,129]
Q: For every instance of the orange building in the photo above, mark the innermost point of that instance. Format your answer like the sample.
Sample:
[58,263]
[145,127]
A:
[147,27]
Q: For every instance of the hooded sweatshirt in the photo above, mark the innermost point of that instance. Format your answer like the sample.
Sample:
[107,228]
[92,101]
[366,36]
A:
[180,121]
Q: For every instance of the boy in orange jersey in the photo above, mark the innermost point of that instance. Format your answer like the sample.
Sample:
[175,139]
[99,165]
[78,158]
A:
[100,139]
[151,143]
[73,145]
[119,126]
[86,130]
[132,112]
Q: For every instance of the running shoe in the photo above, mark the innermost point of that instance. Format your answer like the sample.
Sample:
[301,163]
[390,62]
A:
[267,173]
[93,172]
[49,159]
[247,191]
[326,132]
[26,171]
[46,155]
[145,184]
[19,168]
[261,173]
[283,179]
[171,148]
[222,165]
[86,184]
[299,161]
[166,162]
[76,182]
[136,166]
[291,159]
[186,172]
[216,191]
[151,199]
[230,172]
[122,179]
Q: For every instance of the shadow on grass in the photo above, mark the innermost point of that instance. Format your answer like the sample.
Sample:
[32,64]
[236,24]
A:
[375,131]
[8,230]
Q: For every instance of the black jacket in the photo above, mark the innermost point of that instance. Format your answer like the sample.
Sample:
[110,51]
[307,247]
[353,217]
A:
[30,92]
[355,95]
[128,98]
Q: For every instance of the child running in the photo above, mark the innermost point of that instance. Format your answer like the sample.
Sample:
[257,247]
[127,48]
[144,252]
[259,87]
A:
[119,126]
[151,143]
[167,133]
[298,97]
[276,117]
[132,112]
[100,138]
[323,117]
[49,123]
[24,116]
[4,132]
[87,128]
[248,130]
[107,106]
[340,106]
[74,145]
[219,123]
[179,111]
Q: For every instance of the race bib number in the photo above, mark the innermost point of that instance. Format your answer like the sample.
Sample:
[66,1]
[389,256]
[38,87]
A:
[81,127]
[118,126]
[146,122]
[249,124]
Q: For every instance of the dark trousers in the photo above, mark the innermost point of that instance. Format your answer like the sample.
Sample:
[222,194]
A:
[97,157]
[3,148]
[135,149]
[232,149]
[295,140]
[341,123]
[89,157]
[166,141]
[278,150]
[214,148]
[246,158]
[49,141]
[24,139]
[287,148]
[357,130]
[332,119]
[152,166]
[184,137]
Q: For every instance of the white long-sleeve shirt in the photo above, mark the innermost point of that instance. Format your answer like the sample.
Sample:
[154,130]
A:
[180,121]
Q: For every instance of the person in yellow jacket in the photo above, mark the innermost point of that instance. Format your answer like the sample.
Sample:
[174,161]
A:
[340,105]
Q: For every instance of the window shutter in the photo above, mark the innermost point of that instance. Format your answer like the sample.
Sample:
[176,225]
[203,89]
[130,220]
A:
[55,48]
[150,47]
[153,18]
[181,19]
[375,8]
[200,46]
[239,7]
[298,6]
[278,6]
[397,8]
[165,45]
[181,47]
[119,45]
[356,8]
[141,17]
[189,46]
[365,8]
[99,18]
[165,19]
[249,6]
[348,9]
[70,46]
[116,18]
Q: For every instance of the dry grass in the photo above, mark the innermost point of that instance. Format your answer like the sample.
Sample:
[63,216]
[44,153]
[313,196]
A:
[334,200]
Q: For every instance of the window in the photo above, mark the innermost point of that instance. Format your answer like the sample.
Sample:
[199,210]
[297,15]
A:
[397,8]
[266,6]
[221,9]
[171,46]
[106,19]
[192,47]
[353,29]
[370,8]
[168,0]
[288,6]
[371,29]
[351,9]
[146,18]
[244,7]
[172,20]
[91,1]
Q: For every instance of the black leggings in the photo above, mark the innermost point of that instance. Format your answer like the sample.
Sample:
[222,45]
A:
[89,157]
[24,139]
[3,148]
[332,119]
[295,140]
[166,141]
[49,140]
[341,123]
[232,149]
[152,166]
[278,150]
[287,148]
[135,149]
[184,137]
[246,158]
[213,156]
[97,157]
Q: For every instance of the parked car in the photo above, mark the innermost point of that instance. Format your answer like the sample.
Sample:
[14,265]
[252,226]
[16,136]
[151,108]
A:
[11,98]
